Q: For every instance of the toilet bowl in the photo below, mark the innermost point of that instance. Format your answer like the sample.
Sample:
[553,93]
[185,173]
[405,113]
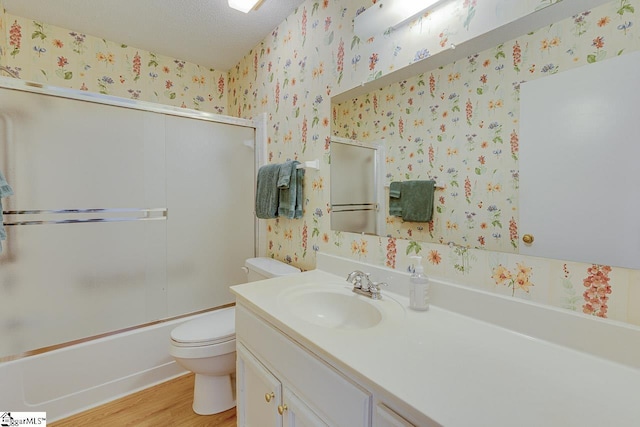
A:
[206,345]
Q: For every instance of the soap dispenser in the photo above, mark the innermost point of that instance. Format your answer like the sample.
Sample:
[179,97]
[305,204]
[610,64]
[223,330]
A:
[419,291]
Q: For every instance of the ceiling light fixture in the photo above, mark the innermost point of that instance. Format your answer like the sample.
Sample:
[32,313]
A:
[243,5]
[387,14]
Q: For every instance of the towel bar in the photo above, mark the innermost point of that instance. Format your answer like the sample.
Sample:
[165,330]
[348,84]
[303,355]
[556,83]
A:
[147,215]
[355,210]
[438,184]
[311,164]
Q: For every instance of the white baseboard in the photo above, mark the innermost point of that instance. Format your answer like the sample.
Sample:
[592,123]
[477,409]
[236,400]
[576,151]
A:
[72,379]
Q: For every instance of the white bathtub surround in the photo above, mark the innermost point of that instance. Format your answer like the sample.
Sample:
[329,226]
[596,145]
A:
[72,379]
[474,358]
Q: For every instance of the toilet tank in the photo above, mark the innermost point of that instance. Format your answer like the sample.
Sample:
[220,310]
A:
[265,268]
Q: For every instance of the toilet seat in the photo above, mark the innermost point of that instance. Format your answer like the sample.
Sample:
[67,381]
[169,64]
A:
[202,343]
[213,328]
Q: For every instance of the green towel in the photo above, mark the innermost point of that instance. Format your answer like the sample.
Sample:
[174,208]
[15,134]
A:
[287,170]
[299,181]
[5,191]
[395,191]
[290,205]
[3,232]
[417,200]
[267,193]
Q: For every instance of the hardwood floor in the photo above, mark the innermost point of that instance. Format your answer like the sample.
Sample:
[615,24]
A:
[167,404]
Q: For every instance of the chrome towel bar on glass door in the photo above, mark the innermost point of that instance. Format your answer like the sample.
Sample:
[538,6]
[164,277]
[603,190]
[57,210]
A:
[149,215]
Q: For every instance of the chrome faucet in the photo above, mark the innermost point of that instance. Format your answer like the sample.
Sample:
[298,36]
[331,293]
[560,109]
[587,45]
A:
[363,285]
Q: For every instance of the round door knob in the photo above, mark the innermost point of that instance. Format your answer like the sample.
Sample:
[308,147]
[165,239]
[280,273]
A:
[282,409]
[269,396]
[528,239]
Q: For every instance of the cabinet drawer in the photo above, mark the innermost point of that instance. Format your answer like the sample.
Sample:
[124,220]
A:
[338,400]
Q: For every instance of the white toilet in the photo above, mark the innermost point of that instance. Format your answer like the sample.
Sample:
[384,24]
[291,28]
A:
[206,346]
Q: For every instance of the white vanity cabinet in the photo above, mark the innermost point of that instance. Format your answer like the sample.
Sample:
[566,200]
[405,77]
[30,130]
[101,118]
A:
[265,402]
[280,383]
[258,389]
[297,413]
[406,370]
[386,417]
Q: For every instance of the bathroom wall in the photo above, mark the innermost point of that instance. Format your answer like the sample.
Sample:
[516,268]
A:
[3,33]
[313,54]
[292,74]
[44,53]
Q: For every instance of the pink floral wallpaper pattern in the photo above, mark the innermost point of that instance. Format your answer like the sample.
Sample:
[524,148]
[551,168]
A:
[47,54]
[458,122]
[459,126]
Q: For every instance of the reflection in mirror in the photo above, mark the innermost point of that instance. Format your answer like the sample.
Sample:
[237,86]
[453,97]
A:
[461,126]
[356,171]
[430,132]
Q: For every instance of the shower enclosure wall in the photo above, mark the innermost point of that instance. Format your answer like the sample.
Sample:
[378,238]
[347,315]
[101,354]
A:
[124,213]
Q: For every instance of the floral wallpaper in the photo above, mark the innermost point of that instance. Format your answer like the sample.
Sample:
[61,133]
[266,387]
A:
[459,126]
[55,56]
[458,123]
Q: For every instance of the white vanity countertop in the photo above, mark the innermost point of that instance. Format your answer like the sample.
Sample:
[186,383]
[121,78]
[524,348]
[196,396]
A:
[459,371]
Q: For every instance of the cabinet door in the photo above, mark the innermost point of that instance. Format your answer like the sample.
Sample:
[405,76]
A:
[337,398]
[296,413]
[385,417]
[258,392]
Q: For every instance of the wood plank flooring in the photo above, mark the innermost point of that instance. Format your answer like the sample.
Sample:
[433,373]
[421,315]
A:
[167,404]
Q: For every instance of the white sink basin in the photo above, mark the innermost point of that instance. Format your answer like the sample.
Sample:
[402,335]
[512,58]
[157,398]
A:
[333,306]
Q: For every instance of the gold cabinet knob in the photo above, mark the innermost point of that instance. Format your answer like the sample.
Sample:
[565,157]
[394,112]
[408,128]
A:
[269,396]
[528,239]
[282,409]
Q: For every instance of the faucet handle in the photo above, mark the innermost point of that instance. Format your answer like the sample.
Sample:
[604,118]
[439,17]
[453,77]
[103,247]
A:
[364,281]
[355,278]
[374,288]
[376,285]
[354,275]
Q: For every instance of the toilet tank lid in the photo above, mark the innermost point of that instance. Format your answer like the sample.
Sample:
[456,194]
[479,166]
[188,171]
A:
[218,325]
[270,267]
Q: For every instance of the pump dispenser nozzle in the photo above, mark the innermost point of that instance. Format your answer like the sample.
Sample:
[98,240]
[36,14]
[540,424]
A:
[416,266]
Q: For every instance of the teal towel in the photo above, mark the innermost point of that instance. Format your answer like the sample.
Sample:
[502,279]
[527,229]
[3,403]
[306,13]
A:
[395,190]
[5,191]
[286,174]
[417,200]
[267,193]
[290,204]
[3,232]
[5,188]
[299,194]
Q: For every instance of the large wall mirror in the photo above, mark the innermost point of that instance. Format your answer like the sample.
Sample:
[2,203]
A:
[461,125]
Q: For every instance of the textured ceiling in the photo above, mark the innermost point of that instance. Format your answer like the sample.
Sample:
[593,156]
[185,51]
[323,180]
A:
[204,32]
